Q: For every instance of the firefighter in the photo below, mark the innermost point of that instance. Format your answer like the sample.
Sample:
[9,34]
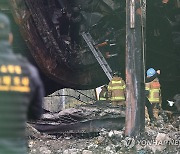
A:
[75,26]
[21,94]
[147,102]
[154,91]
[103,95]
[64,23]
[116,90]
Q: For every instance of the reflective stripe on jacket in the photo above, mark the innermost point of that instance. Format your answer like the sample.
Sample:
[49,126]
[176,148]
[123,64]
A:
[116,89]
[103,95]
[102,98]
[154,91]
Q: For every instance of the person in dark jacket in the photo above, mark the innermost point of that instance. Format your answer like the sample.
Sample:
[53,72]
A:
[64,23]
[103,95]
[21,94]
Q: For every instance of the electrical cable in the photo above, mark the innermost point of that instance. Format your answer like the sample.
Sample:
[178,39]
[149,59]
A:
[85,95]
[69,96]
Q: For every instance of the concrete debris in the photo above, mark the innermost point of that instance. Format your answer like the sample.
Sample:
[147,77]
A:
[162,137]
[115,133]
[82,113]
[71,151]
[92,146]
[87,152]
[100,140]
[32,132]
[110,149]
[70,111]
[55,116]
[160,140]
[44,150]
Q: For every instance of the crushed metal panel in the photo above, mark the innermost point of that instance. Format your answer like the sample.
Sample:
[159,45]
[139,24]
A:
[95,125]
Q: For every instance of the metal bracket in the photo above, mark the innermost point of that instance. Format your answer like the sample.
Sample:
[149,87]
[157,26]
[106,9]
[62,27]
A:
[132,14]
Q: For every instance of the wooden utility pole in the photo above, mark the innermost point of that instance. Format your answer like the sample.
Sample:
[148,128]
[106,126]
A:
[135,98]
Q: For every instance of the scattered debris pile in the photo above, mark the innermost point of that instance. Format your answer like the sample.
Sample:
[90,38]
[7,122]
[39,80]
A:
[163,136]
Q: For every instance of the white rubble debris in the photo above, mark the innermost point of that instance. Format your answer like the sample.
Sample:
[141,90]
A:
[87,152]
[44,150]
[71,151]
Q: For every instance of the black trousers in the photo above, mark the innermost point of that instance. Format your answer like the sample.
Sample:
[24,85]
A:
[149,108]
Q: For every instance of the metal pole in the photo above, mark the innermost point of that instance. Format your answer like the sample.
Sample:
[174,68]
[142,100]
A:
[135,98]
[63,99]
